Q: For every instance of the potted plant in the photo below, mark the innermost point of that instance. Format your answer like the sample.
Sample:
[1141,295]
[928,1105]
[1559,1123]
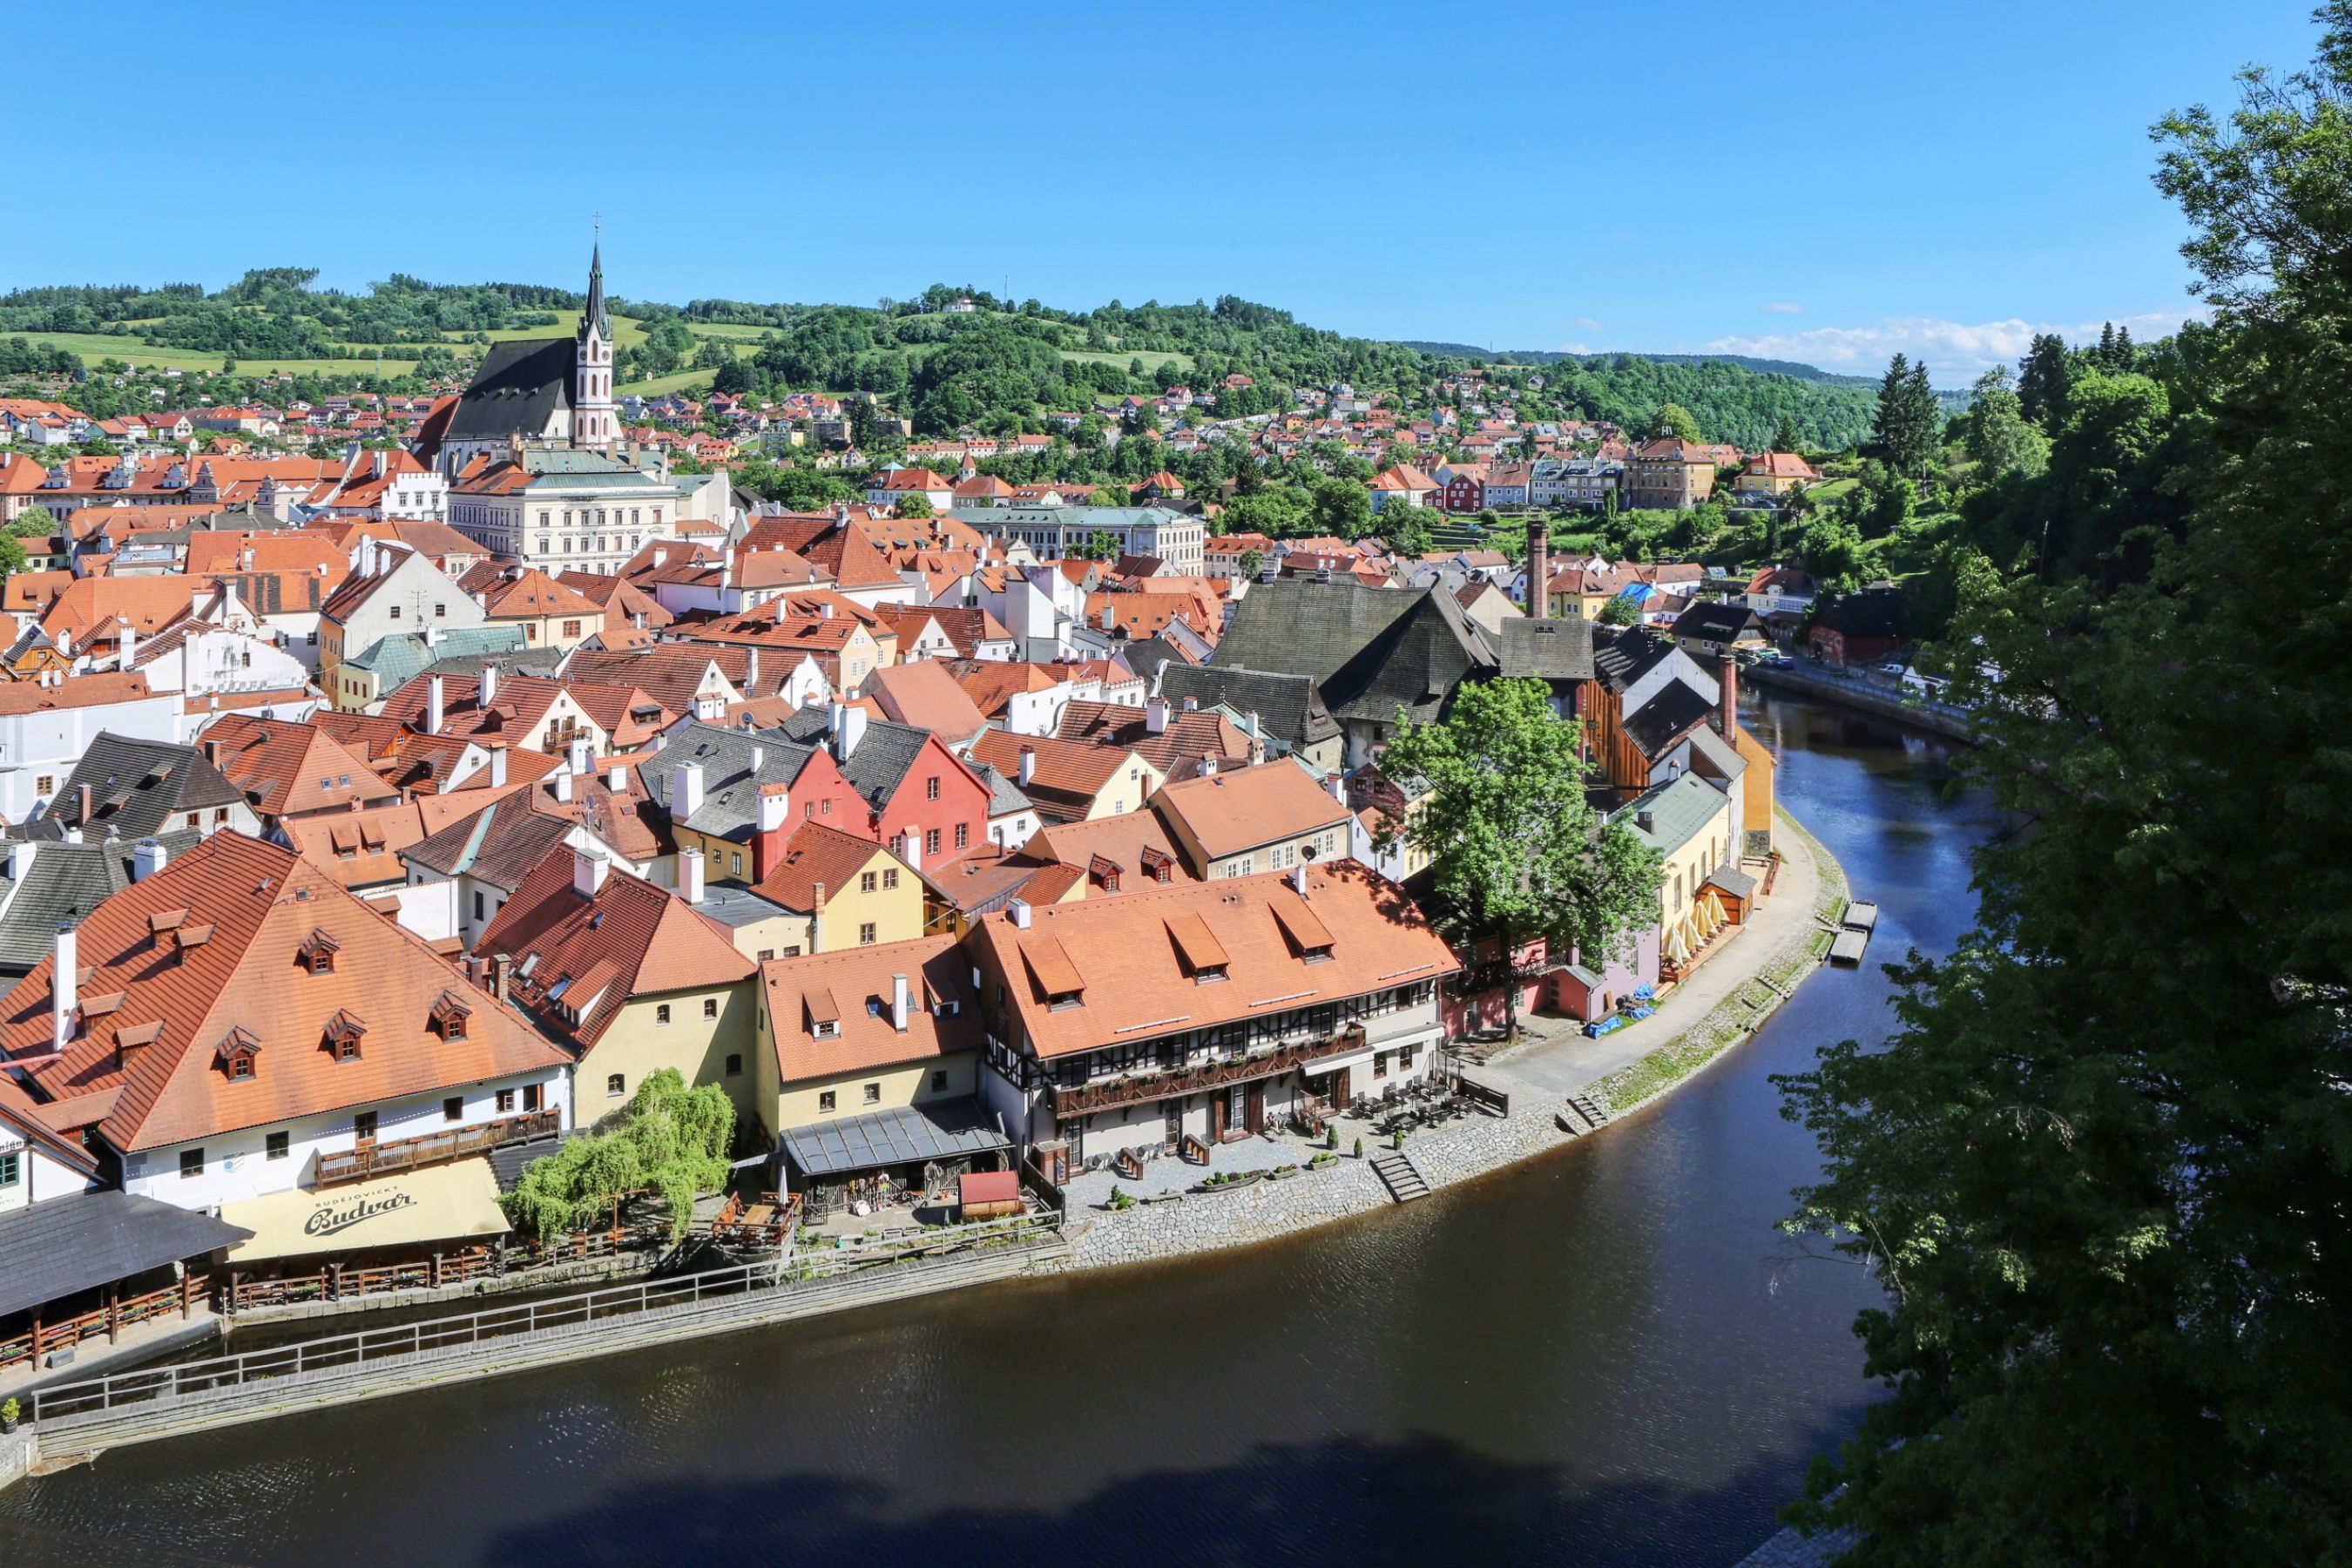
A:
[1120,1200]
[9,1411]
[1396,1138]
[1359,1148]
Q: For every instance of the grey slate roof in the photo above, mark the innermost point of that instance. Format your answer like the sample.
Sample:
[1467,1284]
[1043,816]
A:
[900,1137]
[730,795]
[69,1244]
[500,844]
[1371,650]
[521,383]
[135,787]
[1548,649]
[1667,717]
[1623,655]
[1288,705]
[882,757]
[65,881]
[1716,622]
[508,1160]
[1004,796]
[1733,881]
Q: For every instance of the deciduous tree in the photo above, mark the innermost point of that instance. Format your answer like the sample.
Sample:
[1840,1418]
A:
[2101,1166]
[1517,852]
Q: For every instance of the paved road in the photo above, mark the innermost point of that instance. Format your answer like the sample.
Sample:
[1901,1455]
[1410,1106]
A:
[1560,1060]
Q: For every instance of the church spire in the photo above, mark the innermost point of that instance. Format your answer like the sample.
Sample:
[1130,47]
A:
[595,313]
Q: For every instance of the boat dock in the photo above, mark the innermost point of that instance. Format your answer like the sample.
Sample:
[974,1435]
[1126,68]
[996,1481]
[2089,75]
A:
[1853,939]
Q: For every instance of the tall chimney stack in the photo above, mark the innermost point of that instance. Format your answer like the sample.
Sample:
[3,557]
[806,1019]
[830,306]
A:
[63,981]
[1728,719]
[1538,567]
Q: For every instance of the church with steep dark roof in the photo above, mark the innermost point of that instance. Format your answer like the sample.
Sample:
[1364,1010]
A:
[544,392]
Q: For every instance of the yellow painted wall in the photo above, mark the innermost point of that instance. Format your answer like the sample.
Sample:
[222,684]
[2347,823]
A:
[638,1043]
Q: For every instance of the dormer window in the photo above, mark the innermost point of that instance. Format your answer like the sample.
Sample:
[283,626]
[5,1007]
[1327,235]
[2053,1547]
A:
[236,1054]
[317,953]
[342,1036]
[449,1016]
[827,1029]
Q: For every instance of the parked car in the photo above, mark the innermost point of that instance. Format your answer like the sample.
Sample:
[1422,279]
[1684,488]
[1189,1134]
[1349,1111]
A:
[1779,661]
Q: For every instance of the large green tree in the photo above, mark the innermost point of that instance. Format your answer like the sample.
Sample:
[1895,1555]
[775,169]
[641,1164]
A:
[1517,852]
[669,1140]
[2103,1168]
[1674,419]
[1999,438]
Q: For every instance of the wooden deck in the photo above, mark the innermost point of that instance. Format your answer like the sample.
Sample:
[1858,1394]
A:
[1849,947]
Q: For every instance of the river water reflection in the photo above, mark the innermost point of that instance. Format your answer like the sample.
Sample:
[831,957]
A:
[1608,1355]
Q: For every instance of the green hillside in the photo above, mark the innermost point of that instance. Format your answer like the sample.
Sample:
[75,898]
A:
[1000,365]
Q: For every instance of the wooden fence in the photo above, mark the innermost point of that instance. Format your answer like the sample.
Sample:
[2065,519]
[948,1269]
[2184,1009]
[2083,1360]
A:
[43,1339]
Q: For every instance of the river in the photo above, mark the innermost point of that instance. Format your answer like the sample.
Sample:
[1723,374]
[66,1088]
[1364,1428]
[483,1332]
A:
[1605,1355]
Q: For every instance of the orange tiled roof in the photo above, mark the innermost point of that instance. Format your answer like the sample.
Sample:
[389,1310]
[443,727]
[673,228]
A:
[1132,981]
[286,768]
[855,986]
[589,956]
[256,905]
[1232,811]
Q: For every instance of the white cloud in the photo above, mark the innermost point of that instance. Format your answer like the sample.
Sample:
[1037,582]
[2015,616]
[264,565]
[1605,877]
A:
[1782,309]
[1956,351]
[1574,348]
[1587,322]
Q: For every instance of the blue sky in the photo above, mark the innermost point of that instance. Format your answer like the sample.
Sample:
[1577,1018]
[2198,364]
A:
[1824,182]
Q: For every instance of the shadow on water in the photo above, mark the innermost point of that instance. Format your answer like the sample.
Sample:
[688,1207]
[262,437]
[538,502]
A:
[1344,1499]
[1605,1355]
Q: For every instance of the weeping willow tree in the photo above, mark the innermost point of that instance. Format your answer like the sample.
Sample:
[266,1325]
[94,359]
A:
[670,1140]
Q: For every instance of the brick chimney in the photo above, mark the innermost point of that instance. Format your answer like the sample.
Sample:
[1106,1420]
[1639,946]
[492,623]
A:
[1728,720]
[1538,566]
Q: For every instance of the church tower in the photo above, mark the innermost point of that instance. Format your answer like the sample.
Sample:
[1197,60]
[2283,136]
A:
[594,423]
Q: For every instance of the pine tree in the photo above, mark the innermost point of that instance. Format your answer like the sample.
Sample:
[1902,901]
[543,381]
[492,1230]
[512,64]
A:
[2043,377]
[1923,419]
[1908,417]
[1784,438]
[1886,428]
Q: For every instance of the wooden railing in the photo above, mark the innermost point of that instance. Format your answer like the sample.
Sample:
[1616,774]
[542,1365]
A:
[434,1148]
[336,1283]
[1192,1148]
[43,1339]
[1079,1099]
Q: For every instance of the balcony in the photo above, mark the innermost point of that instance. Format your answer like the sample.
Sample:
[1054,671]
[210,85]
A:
[1079,1100]
[434,1148]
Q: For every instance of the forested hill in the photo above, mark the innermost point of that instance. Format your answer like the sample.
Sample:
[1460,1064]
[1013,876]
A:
[947,358]
[1551,356]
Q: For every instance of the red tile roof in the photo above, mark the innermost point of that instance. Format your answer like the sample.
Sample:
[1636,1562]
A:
[589,956]
[257,904]
[1121,957]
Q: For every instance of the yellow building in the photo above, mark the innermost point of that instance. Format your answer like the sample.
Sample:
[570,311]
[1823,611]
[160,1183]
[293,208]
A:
[840,890]
[631,974]
[866,1031]
[1689,824]
[1774,474]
